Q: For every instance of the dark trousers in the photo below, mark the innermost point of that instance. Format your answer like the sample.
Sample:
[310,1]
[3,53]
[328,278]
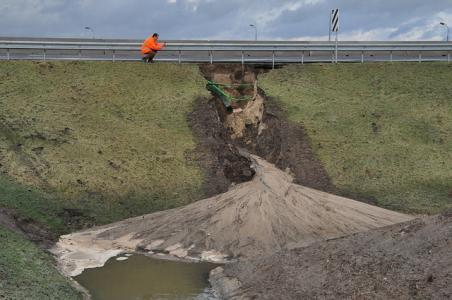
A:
[149,57]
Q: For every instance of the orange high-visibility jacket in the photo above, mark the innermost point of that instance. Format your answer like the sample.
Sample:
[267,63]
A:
[150,45]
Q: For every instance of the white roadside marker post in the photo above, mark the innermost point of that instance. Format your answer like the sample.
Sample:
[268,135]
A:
[335,28]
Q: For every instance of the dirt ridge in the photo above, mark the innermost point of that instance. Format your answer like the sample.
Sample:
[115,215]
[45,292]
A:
[404,261]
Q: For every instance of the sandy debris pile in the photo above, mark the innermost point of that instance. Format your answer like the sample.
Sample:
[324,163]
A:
[255,218]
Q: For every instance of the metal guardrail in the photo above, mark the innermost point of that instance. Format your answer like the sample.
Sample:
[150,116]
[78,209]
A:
[227,51]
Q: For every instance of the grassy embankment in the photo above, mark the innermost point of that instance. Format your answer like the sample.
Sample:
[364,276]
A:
[382,131]
[89,142]
[84,143]
[27,272]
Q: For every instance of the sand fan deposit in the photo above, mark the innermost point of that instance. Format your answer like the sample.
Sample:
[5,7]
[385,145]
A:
[255,218]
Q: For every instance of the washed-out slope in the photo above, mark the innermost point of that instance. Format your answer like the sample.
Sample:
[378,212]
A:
[255,218]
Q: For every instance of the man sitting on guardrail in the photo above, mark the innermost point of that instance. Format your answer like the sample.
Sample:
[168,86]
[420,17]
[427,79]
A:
[150,48]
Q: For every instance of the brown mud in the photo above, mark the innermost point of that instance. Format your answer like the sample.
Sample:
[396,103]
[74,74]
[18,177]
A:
[410,260]
[27,228]
[215,152]
[264,131]
[287,145]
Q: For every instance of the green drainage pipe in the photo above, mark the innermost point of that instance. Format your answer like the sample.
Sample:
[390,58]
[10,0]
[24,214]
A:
[226,98]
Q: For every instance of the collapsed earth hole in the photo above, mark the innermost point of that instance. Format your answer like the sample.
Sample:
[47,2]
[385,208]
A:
[257,125]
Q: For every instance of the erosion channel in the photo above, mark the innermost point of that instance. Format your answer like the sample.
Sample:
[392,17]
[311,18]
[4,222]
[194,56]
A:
[267,190]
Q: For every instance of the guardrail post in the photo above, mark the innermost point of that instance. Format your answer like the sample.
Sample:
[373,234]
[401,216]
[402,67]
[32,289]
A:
[211,56]
[337,50]
[114,56]
[302,57]
[180,57]
[333,59]
[420,57]
[362,57]
[45,54]
[243,58]
[390,56]
[8,56]
[273,59]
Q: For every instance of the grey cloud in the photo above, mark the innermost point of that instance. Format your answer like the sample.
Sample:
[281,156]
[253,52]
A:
[217,19]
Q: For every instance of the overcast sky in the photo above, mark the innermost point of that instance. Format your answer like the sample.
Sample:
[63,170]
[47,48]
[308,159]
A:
[226,19]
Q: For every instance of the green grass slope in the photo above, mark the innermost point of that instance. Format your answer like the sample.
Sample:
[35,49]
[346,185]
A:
[84,143]
[26,272]
[382,131]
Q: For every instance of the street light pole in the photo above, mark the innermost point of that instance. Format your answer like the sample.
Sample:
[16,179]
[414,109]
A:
[447,32]
[92,31]
[255,33]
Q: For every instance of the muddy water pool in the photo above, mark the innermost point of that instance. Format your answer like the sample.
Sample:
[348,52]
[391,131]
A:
[138,277]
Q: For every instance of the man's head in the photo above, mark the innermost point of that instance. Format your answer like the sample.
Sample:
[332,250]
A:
[155,36]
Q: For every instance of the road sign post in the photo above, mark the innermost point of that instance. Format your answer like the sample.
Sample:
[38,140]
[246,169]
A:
[334,25]
[337,46]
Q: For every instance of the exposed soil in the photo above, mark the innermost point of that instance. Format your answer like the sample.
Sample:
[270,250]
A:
[215,151]
[262,130]
[405,261]
[286,145]
[27,228]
